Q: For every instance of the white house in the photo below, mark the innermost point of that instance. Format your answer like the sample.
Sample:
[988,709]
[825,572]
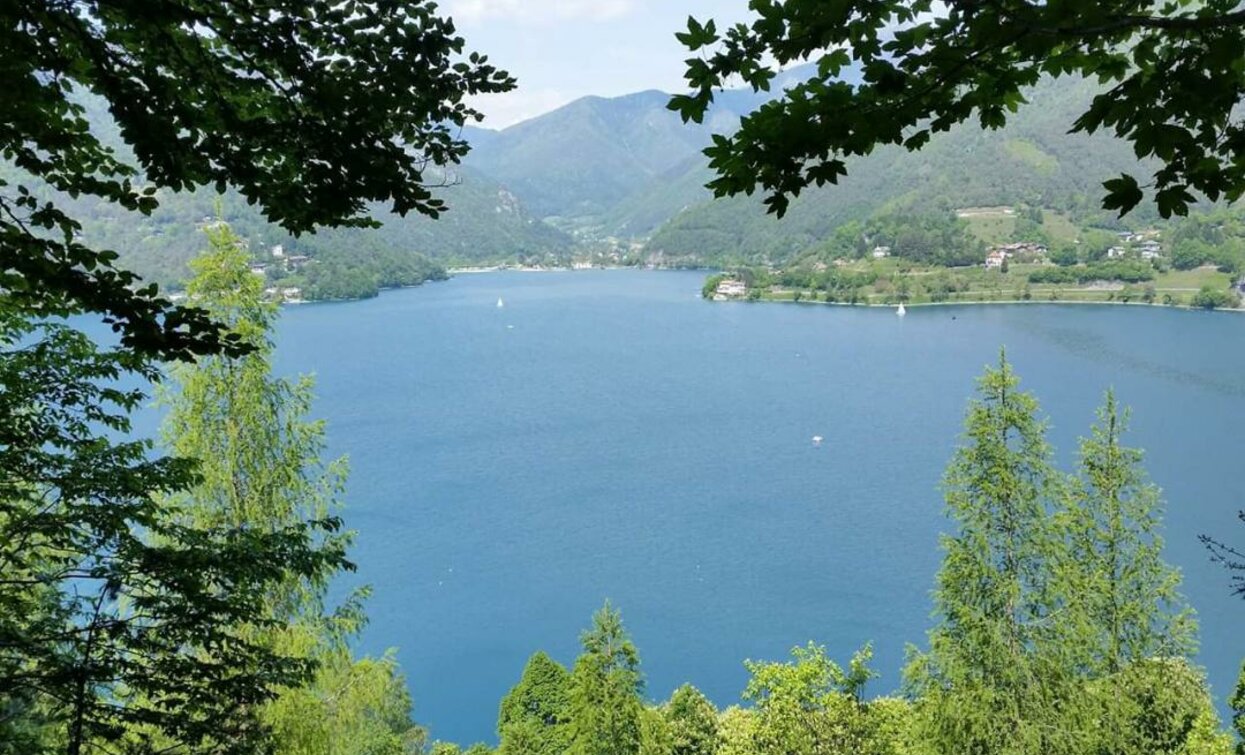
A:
[995,259]
[730,288]
[881,251]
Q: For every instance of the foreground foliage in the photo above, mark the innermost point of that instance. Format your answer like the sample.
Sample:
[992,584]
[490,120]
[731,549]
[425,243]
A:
[122,618]
[924,67]
[309,109]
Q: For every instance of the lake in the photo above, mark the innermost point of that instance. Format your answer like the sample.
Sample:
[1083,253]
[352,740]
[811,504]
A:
[608,434]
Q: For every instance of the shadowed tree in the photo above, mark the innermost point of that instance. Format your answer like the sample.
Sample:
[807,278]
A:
[1170,71]
[310,108]
[121,620]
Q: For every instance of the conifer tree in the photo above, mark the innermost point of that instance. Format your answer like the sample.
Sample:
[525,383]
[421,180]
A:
[989,682]
[606,686]
[1124,604]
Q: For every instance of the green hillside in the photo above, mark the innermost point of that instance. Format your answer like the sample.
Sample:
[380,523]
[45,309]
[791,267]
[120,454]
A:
[580,160]
[485,223]
[618,166]
[1034,162]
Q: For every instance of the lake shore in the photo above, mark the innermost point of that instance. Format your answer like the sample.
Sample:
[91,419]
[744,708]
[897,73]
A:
[987,302]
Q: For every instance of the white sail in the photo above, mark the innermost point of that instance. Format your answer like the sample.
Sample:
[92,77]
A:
[500,303]
[901,311]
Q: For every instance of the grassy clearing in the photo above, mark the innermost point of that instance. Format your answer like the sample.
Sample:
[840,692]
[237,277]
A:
[895,282]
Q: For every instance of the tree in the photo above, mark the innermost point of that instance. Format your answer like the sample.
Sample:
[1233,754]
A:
[1230,558]
[693,722]
[1064,255]
[1238,711]
[811,706]
[605,690]
[1209,297]
[737,731]
[350,707]
[311,109]
[1125,600]
[989,682]
[122,622]
[925,67]
[535,715]
[1158,705]
[656,735]
[260,468]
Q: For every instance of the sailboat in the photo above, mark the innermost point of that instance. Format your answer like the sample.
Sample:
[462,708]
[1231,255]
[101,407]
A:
[901,311]
[500,303]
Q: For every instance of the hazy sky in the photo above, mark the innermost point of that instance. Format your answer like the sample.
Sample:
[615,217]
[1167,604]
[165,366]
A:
[561,50]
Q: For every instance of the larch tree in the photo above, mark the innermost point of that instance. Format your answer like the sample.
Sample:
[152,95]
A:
[1123,599]
[261,467]
[989,681]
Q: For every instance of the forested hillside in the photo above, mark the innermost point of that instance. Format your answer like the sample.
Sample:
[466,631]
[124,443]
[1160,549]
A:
[548,189]
[580,161]
[1033,161]
[485,223]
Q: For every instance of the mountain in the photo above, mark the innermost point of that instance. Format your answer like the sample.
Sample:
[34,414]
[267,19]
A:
[485,223]
[595,163]
[582,159]
[567,182]
[1033,161]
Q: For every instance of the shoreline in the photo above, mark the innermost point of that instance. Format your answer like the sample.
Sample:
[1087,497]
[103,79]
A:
[515,269]
[983,302]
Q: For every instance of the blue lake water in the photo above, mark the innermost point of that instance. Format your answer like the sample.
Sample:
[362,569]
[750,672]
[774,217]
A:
[609,434]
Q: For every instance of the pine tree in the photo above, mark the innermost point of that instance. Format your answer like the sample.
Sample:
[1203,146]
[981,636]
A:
[988,683]
[606,686]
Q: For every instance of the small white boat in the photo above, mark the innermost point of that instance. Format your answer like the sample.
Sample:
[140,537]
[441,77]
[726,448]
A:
[500,303]
[901,311]
[817,439]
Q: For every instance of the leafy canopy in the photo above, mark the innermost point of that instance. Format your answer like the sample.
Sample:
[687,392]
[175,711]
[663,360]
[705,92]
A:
[122,619]
[312,109]
[1172,71]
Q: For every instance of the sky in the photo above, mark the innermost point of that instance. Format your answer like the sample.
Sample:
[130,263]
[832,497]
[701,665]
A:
[561,50]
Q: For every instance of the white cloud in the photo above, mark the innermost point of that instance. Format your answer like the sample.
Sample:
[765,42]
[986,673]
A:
[502,110]
[538,11]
